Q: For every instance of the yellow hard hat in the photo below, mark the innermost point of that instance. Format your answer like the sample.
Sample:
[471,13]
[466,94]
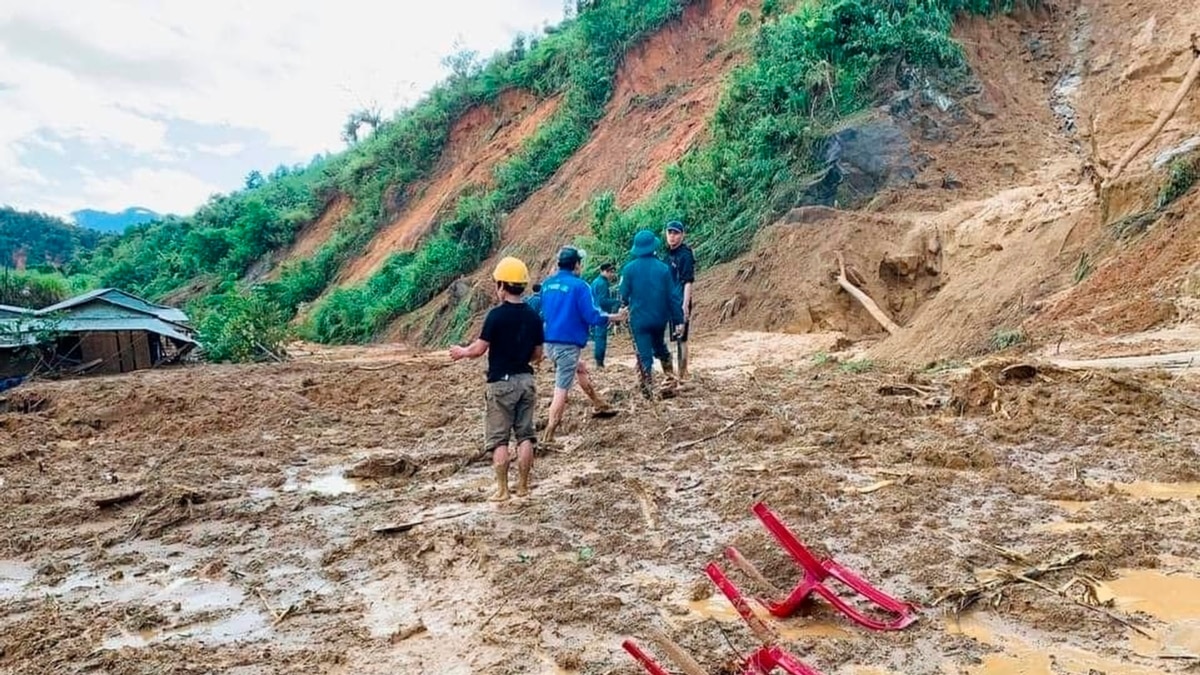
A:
[511,270]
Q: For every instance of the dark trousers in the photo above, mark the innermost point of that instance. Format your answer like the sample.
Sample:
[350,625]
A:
[650,344]
[599,344]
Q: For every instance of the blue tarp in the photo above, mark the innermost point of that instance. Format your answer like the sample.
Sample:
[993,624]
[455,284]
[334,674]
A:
[10,382]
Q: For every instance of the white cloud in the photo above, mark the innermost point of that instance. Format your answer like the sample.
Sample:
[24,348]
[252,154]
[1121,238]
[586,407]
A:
[164,191]
[12,172]
[111,73]
[222,149]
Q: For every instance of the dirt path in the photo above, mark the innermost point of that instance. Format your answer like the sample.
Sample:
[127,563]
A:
[250,546]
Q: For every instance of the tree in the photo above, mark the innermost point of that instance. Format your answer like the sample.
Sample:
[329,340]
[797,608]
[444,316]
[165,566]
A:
[255,180]
[370,116]
[463,63]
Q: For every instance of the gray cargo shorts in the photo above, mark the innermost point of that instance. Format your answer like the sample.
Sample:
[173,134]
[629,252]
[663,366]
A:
[566,361]
[510,405]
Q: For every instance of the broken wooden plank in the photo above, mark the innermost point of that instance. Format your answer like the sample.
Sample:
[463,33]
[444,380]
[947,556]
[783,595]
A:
[405,527]
[115,500]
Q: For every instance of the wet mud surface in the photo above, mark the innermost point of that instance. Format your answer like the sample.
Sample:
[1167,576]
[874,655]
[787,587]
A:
[221,518]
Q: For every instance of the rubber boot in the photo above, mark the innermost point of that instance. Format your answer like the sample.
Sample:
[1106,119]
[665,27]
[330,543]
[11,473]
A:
[646,382]
[522,480]
[501,482]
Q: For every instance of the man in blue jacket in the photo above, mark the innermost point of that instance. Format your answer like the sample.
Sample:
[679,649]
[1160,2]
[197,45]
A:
[654,302]
[602,297]
[569,313]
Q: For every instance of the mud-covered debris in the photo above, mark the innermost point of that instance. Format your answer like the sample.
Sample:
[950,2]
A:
[25,402]
[108,501]
[1018,372]
[406,632]
[383,466]
[406,526]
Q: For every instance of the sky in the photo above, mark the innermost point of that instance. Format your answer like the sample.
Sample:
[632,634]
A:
[109,104]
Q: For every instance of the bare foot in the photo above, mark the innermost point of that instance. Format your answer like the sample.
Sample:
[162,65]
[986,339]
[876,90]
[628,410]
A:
[522,492]
[500,496]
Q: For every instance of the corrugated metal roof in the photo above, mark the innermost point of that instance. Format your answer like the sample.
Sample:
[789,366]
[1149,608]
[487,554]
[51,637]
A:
[22,333]
[71,325]
[119,297]
[18,311]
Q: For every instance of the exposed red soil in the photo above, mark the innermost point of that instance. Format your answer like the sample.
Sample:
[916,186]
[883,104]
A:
[666,90]
[481,139]
[315,234]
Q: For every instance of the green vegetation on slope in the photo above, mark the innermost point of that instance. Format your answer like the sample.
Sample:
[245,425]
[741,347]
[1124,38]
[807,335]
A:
[812,68]
[813,65]
[588,50]
[43,242]
[35,290]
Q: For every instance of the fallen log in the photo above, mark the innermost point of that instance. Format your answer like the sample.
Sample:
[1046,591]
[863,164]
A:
[115,500]
[1168,112]
[865,300]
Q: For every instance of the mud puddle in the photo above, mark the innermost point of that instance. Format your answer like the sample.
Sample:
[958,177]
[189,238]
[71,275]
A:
[1148,490]
[243,625]
[1023,655]
[1171,598]
[718,608]
[14,575]
[330,482]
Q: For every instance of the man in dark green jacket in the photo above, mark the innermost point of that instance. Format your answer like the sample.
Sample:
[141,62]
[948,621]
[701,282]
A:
[654,302]
[602,297]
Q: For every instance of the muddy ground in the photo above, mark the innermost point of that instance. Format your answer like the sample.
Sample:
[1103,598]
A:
[249,546]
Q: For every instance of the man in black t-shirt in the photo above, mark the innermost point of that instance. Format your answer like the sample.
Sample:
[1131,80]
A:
[512,338]
[683,272]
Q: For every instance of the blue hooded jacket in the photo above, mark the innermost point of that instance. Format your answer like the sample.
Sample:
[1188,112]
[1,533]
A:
[651,295]
[568,309]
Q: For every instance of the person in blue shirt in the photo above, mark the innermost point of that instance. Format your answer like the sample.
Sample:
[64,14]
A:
[569,314]
[602,297]
[654,302]
[535,299]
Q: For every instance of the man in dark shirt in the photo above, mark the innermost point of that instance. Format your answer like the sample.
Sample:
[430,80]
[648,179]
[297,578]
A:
[683,272]
[512,339]
[602,297]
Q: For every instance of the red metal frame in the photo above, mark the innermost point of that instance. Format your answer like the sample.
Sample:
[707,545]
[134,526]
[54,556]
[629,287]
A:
[643,658]
[762,661]
[815,572]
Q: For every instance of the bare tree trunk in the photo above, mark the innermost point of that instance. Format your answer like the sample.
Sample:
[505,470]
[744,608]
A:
[864,299]
[1163,118]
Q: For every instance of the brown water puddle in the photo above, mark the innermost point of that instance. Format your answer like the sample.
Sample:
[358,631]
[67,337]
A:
[330,483]
[1169,597]
[1020,657]
[1172,598]
[1147,490]
[719,609]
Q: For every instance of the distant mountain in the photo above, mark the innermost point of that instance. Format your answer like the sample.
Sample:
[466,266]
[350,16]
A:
[114,222]
[37,240]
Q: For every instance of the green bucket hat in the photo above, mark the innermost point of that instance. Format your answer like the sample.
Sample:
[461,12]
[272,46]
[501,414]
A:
[645,242]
